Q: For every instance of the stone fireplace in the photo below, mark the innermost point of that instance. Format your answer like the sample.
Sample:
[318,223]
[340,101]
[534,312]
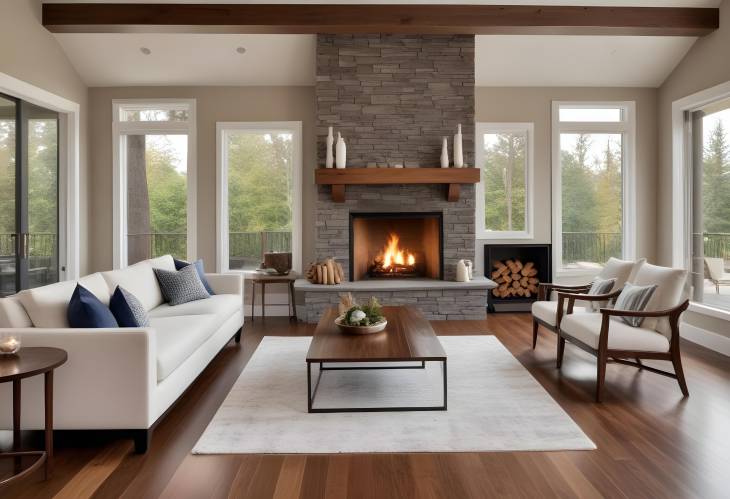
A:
[393,98]
[396,245]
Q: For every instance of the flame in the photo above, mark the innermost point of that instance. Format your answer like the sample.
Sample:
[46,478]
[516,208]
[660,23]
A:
[393,255]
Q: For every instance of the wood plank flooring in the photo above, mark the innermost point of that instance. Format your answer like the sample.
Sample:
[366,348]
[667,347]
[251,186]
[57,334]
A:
[651,442]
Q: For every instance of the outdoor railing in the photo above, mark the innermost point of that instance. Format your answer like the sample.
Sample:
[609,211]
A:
[245,248]
[590,246]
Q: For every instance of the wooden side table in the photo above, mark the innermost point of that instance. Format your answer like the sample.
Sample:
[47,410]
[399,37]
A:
[263,280]
[26,363]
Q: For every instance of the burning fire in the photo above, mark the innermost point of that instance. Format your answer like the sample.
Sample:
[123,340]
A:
[393,259]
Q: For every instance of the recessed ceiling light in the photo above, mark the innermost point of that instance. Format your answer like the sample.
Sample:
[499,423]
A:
[145,50]
[241,50]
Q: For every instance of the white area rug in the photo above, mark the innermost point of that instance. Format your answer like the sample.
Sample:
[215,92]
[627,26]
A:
[494,404]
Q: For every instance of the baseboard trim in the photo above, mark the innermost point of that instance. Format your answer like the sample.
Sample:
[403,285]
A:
[707,339]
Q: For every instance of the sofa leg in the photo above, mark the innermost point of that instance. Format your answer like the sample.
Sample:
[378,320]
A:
[142,439]
[237,337]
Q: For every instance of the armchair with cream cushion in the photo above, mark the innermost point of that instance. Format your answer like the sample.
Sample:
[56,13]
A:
[606,335]
[545,309]
[715,271]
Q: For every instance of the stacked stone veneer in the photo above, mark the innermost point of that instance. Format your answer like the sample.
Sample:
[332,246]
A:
[394,97]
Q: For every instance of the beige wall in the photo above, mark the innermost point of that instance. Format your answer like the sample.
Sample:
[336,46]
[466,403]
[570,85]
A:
[30,53]
[706,64]
[213,104]
[533,104]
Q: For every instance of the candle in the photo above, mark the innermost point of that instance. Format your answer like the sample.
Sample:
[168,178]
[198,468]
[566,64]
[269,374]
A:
[9,344]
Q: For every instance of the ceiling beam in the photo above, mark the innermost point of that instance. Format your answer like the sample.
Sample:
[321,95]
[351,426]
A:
[421,19]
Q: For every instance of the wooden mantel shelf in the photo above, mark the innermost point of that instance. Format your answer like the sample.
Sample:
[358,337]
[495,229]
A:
[451,177]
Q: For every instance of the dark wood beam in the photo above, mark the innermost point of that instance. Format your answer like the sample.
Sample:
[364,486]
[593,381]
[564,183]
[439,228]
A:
[422,19]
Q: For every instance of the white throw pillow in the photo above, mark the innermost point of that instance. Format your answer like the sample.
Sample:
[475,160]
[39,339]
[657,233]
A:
[164,262]
[47,306]
[13,314]
[670,288]
[621,270]
[139,279]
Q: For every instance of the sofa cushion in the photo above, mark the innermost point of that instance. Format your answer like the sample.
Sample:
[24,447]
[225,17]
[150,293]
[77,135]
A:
[127,309]
[547,311]
[669,293]
[86,311]
[587,329]
[620,270]
[222,305]
[181,286]
[139,279]
[178,338]
[47,306]
[13,314]
[179,264]
[164,262]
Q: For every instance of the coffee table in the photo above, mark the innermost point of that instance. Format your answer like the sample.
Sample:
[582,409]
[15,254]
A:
[408,337]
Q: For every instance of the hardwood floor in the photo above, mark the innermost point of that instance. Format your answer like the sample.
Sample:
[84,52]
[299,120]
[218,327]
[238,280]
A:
[651,441]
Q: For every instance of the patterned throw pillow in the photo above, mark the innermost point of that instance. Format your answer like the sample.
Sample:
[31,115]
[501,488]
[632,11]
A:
[127,309]
[181,286]
[634,298]
[600,287]
[179,264]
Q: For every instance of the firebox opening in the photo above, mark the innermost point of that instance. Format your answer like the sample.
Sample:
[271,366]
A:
[395,245]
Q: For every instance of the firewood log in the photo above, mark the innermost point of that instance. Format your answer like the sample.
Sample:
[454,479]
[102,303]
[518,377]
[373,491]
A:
[518,265]
[526,269]
[516,277]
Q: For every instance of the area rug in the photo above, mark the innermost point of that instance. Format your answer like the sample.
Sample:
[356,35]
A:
[494,404]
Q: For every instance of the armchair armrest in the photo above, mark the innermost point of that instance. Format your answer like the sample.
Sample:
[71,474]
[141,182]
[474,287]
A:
[647,313]
[571,297]
[226,284]
[545,288]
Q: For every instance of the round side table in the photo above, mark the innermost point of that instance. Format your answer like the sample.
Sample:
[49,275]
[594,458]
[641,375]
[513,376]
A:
[29,362]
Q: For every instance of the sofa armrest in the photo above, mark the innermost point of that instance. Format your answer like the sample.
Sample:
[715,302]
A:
[226,284]
[107,381]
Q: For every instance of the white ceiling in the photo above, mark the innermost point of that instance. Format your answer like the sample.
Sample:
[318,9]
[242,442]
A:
[104,60]
[560,61]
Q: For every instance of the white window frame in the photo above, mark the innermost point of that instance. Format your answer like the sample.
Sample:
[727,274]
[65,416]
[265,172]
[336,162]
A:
[682,185]
[68,168]
[120,129]
[223,128]
[493,128]
[627,128]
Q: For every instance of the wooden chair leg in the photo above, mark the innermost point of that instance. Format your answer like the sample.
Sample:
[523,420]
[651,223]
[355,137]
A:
[638,361]
[600,375]
[561,351]
[677,363]
[535,325]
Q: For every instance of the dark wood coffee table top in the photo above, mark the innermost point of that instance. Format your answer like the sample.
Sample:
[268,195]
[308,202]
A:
[408,336]
[30,361]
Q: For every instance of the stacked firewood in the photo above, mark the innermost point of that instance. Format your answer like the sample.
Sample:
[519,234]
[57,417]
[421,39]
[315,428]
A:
[514,278]
[327,272]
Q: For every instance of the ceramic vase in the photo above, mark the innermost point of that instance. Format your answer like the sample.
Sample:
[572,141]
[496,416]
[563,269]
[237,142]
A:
[462,273]
[341,152]
[330,160]
[458,151]
[444,154]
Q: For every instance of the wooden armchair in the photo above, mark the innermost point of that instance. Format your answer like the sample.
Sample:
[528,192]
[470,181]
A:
[606,338]
[545,311]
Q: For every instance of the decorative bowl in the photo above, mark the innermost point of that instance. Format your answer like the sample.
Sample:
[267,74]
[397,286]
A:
[371,329]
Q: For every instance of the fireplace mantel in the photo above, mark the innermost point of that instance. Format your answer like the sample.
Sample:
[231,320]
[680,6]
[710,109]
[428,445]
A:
[451,177]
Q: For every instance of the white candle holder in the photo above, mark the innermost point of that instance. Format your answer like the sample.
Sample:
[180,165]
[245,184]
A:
[9,344]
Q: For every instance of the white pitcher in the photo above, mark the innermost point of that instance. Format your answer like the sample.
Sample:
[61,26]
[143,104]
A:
[462,273]
[341,153]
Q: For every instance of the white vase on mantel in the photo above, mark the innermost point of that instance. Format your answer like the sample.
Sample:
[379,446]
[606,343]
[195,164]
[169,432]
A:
[462,272]
[458,150]
[341,152]
[330,160]
[444,154]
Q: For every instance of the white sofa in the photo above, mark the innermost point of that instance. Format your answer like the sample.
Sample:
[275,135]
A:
[121,378]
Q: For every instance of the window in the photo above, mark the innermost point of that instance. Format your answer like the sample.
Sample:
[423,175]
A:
[710,203]
[593,204]
[154,180]
[504,207]
[259,193]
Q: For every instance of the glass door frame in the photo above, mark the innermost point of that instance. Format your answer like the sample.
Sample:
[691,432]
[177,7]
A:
[23,114]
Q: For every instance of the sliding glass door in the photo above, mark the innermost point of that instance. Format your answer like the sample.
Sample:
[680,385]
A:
[28,196]
[710,136]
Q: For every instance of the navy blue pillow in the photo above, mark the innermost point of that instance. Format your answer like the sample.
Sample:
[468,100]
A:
[127,309]
[86,311]
[201,272]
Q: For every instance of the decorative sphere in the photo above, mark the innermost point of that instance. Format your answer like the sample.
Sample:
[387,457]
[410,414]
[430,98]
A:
[357,316]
